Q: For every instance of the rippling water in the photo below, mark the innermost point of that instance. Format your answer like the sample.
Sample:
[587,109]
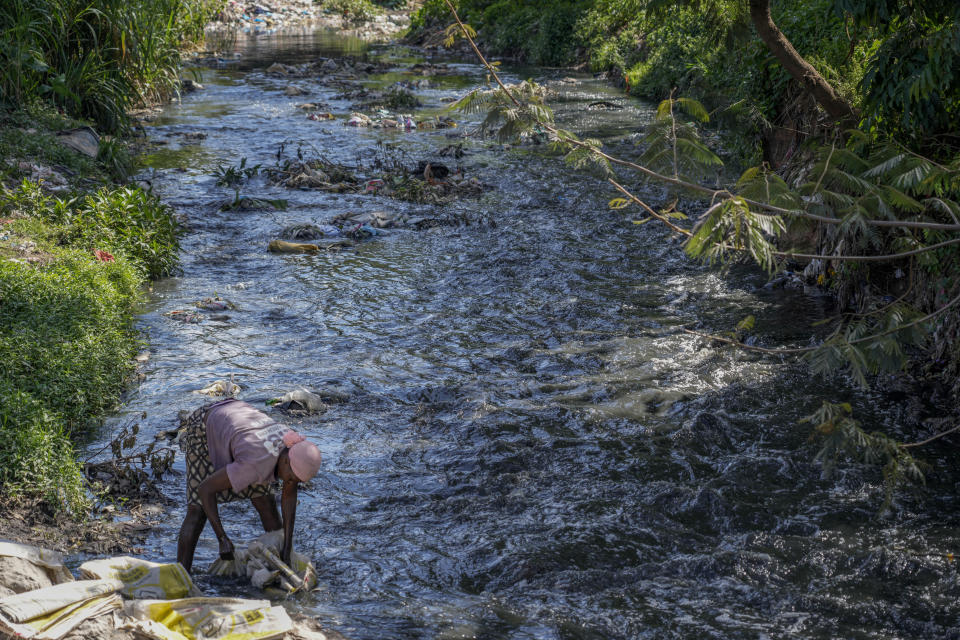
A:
[527,450]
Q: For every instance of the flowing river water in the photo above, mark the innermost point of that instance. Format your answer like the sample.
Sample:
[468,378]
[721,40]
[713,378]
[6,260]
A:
[527,448]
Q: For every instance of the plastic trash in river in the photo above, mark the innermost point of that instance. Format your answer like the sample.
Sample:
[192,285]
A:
[261,563]
[185,315]
[301,400]
[281,246]
[221,388]
[215,303]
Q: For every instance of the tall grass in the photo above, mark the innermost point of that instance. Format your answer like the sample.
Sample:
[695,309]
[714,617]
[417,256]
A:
[96,59]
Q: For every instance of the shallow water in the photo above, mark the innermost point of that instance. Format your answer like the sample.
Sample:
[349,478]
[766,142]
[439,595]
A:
[529,448]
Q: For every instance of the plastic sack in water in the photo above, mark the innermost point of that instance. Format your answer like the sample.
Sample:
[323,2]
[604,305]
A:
[206,619]
[260,562]
[142,578]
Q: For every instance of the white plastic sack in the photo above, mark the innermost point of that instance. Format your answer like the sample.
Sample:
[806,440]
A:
[206,619]
[51,561]
[142,578]
[52,612]
[263,571]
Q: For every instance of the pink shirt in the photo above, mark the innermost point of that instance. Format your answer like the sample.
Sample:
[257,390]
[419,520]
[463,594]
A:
[245,441]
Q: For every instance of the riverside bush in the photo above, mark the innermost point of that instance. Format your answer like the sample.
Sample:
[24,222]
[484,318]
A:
[66,324]
[96,58]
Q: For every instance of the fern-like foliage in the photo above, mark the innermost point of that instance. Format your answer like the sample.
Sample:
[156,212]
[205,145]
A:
[871,345]
[731,225]
[505,118]
[672,144]
[842,437]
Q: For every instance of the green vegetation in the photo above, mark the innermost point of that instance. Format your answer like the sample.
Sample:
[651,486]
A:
[72,265]
[897,63]
[96,59]
[866,201]
[72,268]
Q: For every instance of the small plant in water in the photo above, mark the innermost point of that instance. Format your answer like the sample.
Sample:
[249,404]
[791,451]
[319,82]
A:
[233,176]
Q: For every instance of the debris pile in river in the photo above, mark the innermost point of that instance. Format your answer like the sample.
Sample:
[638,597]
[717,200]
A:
[429,183]
[383,119]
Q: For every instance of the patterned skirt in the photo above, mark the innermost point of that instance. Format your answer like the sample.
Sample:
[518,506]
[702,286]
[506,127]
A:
[193,443]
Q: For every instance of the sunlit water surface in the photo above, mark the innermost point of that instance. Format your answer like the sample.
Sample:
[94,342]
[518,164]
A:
[529,448]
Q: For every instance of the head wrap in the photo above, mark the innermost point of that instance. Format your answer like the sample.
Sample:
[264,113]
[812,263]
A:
[305,457]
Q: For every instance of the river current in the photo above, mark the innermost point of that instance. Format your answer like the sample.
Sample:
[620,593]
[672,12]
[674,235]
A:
[527,446]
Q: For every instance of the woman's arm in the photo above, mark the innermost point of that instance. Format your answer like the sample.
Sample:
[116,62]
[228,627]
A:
[288,507]
[208,490]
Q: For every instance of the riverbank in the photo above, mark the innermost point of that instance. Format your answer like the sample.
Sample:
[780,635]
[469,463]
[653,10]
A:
[76,251]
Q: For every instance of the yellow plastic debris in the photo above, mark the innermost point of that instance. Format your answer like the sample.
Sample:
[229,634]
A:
[206,618]
[281,246]
[142,578]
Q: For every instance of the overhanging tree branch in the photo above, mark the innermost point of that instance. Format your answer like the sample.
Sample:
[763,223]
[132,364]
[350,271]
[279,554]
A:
[794,64]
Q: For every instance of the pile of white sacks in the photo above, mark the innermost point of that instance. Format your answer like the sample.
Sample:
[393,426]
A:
[127,598]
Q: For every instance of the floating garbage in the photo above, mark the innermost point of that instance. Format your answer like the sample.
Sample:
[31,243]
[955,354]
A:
[221,388]
[215,304]
[318,117]
[301,400]
[281,246]
[359,120]
[310,231]
[185,315]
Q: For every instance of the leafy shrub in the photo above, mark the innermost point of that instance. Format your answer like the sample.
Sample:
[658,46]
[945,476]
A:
[125,221]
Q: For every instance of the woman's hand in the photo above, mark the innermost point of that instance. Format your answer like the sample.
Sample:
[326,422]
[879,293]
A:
[226,549]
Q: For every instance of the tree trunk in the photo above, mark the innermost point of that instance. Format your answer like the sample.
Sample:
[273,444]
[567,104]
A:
[801,70]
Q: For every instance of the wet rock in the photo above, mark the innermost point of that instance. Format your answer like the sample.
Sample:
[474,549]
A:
[294,90]
[189,86]
[18,575]
[329,65]
[82,139]
[279,69]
